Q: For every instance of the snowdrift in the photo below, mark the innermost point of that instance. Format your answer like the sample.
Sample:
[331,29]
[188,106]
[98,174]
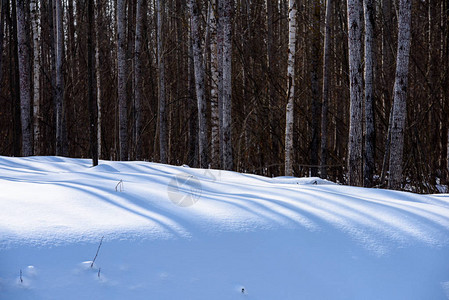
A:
[170,232]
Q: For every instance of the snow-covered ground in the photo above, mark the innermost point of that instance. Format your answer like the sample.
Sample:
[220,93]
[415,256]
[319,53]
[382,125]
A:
[182,233]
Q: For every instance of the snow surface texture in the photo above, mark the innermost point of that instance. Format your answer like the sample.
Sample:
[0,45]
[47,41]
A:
[183,233]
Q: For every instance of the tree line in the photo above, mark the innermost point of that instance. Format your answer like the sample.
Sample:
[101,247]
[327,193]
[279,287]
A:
[355,91]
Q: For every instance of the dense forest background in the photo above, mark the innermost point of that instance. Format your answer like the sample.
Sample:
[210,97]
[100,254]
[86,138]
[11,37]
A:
[122,78]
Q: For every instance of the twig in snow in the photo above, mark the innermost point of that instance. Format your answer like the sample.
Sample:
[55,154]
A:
[99,270]
[21,279]
[99,246]
[120,186]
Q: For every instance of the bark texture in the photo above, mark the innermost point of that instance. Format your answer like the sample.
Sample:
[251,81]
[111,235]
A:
[199,83]
[289,115]
[24,74]
[368,166]
[227,84]
[163,141]
[121,78]
[400,95]
[356,92]
[325,91]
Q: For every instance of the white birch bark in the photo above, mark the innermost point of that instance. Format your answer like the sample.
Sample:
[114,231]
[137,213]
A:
[400,94]
[356,92]
[121,77]
[199,82]
[163,142]
[289,117]
[35,25]
[368,167]
[24,78]
[227,84]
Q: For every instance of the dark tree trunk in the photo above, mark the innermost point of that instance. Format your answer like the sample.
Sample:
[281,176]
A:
[25,80]
[90,84]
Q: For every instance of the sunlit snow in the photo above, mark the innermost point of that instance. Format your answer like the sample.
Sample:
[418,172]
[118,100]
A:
[182,233]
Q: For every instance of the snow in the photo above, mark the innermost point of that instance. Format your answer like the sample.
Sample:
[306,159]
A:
[183,233]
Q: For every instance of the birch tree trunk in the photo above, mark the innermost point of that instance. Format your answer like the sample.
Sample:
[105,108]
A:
[199,82]
[35,25]
[290,88]
[163,142]
[59,97]
[121,77]
[24,74]
[356,92]
[90,84]
[227,84]
[215,118]
[400,94]
[98,73]
[138,78]
[370,137]
[325,101]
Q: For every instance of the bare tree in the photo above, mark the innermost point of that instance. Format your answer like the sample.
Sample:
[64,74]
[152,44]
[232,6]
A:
[325,95]
[98,73]
[400,94]
[315,87]
[140,10]
[163,141]
[215,118]
[2,21]
[290,88]
[24,73]
[59,96]
[227,84]
[356,92]
[35,26]
[199,81]
[121,77]
[368,167]
[90,84]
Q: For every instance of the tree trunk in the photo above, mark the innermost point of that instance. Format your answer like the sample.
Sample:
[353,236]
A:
[59,97]
[35,25]
[163,142]
[316,36]
[98,74]
[356,92]
[227,85]
[324,107]
[140,10]
[2,20]
[370,136]
[24,73]
[121,77]
[400,94]
[193,109]
[215,119]
[199,82]
[220,75]
[290,88]
[90,84]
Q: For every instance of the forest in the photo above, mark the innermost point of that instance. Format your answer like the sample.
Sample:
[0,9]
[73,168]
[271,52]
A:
[353,91]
